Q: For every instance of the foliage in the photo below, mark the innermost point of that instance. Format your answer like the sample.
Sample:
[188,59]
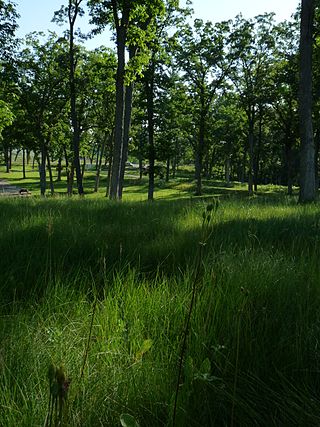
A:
[6,116]
[8,27]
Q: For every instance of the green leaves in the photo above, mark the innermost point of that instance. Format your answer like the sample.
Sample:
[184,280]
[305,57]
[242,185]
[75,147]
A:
[128,420]
[210,209]
[6,115]
[146,346]
[8,26]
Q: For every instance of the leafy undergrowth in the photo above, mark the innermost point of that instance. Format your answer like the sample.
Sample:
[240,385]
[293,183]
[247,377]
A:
[252,354]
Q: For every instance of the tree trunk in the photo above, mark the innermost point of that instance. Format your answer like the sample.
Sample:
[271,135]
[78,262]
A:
[76,148]
[126,126]
[118,132]
[199,154]
[43,183]
[256,154]
[212,160]
[70,179]
[227,170]
[126,130]
[307,156]
[70,173]
[150,112]
[59,169]
[109,160]
[83,167]
[99,164]
[91,157]
[168,170]
[10,158]
[97,156]
[50,175]
[197,165]
[6,158]
[251,157]
[35,159]
[17,155]
[316,157]
[24,164]
[140,156]
[174,167]
[243,168]
[73,97]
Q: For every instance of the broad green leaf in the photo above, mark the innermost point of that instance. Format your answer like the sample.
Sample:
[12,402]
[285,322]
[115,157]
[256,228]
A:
[205,367]
[146,345]
[128,420]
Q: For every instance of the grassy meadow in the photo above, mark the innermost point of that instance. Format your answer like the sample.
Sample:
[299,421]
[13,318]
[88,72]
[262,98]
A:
[104,290]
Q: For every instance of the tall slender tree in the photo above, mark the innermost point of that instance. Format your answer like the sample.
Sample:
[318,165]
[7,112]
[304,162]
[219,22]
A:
[8,44]
[157,66]
[42,99]
[251,77]
[307,157]
[133,22]
[72,11]
[205,55]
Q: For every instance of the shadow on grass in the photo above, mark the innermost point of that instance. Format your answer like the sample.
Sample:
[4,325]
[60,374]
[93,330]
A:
[41,240]
[45,238]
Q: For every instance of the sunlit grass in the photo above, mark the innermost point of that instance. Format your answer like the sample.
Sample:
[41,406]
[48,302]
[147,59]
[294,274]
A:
[134,189]
[255,331]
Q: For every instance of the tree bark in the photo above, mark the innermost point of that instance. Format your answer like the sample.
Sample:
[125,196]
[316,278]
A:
[83,168]
[50,175]
[16,156]
[198,167]
[307,155]
[70,173]
[227,170]
[168,170]
[126,125]
[73,97]
[24,163]
[256,153]
[174,166]
[97,157]
[121,28]
[59,169]
[35,156]
[70,179]
[251,156]
[150,113]
[10,158]
[109,161]
[43,183]
[199,154]
[126,130]
[140,155]
[316,157]
[7,161]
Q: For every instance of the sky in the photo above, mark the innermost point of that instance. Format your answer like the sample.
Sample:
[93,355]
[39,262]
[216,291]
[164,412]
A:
[37,14]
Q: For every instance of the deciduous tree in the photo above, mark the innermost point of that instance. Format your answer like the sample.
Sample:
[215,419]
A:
[307,157]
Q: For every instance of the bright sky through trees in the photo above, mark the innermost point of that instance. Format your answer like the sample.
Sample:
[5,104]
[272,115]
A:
[37,14]
[217,10]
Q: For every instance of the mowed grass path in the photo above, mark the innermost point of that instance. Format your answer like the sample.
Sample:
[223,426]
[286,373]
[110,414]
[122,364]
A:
[252,354]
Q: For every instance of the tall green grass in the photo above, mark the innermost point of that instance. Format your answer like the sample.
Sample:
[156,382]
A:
[252,354]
